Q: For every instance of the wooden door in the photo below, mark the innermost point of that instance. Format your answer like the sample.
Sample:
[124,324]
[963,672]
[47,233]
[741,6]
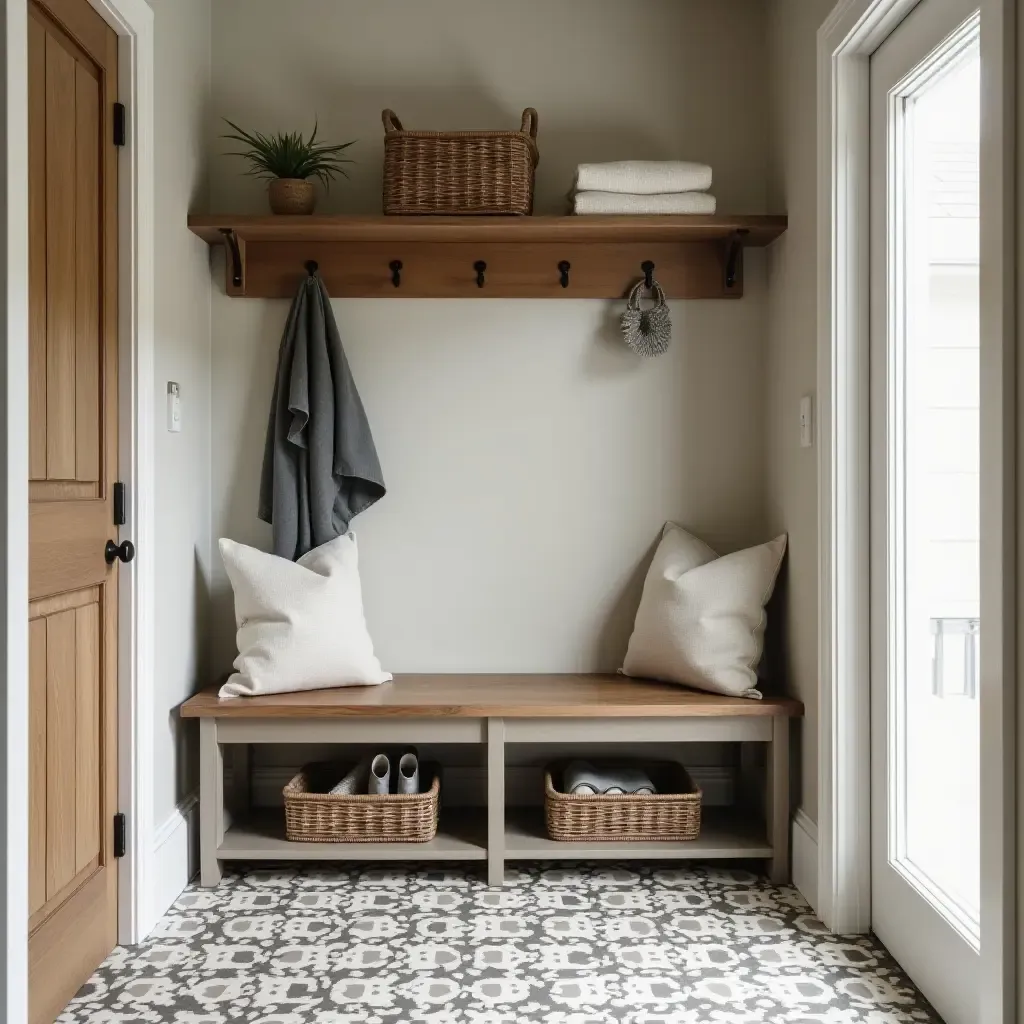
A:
[72,466]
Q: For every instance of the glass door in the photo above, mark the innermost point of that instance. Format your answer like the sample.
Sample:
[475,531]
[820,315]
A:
[925,460]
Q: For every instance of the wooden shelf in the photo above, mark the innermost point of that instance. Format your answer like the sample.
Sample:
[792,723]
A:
[694,256]
[725,835]
[691,228]
[460,836]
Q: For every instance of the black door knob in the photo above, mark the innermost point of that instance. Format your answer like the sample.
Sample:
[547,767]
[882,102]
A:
[125,551]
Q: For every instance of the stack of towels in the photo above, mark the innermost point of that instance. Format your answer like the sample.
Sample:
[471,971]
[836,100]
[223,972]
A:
[643,187]
[585,779]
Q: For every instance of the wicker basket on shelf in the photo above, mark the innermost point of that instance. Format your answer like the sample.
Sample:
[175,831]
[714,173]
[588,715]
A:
[477,172]
[670,815]
[319,817]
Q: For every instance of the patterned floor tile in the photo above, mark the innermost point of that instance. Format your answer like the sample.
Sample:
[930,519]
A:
[577,944]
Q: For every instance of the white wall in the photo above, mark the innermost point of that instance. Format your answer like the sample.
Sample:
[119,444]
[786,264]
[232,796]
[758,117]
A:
[792,478]
[530,459]
[183,296]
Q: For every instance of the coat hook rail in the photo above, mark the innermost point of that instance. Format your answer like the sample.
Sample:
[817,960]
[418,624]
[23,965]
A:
[480,267]
[235,255]
[733,255]
[395,266]
[648,268]
[563,273]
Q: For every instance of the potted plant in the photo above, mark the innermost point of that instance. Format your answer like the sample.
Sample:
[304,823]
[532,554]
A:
[291,162]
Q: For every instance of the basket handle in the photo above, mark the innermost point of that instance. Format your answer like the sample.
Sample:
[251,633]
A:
[391,122]
[530,122]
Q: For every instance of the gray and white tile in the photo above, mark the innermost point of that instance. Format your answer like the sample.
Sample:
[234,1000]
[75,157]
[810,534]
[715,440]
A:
[577,944]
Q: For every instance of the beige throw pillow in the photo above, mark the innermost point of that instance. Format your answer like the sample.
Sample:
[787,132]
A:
[701,618]
[300,624]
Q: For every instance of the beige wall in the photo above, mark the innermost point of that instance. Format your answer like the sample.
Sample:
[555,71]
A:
[182,354]
[611,79]
[530,459]
[792,478]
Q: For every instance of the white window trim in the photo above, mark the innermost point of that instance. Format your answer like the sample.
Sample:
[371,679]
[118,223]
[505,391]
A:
[848,37]
[133,22]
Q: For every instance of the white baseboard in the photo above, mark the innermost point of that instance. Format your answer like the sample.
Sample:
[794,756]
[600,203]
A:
[805,857]
[467,786]
[175,860]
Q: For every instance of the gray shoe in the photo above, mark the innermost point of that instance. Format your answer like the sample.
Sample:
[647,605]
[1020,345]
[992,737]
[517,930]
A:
[355,781]
[380,776]
[409,773]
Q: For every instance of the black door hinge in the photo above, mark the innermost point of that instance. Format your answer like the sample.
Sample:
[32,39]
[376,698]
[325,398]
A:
[120,836]
[120,517]
[120,129]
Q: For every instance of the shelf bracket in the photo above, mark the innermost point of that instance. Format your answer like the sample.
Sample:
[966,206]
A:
[732,256]
[236,261]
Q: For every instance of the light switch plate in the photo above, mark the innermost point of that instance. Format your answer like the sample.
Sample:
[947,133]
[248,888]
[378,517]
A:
[806,422]
[173,407]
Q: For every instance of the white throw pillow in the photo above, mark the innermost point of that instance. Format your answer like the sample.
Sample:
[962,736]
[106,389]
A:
[300,624]
[701,618]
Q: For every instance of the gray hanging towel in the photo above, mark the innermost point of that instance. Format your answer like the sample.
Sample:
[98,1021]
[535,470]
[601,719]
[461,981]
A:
[320,466]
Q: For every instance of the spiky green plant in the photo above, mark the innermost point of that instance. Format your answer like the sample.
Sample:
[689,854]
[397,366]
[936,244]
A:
[290,155]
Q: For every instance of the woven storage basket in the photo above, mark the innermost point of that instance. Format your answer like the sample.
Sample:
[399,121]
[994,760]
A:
[312,817]
[459,172]
[670,815]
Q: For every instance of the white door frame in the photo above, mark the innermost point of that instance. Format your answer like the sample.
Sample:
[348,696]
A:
[846,40]
[132,20]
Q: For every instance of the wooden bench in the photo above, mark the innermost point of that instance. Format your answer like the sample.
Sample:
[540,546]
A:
[493,710]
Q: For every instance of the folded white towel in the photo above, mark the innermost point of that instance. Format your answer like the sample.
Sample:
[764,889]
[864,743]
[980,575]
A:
[643,177]
[616,202]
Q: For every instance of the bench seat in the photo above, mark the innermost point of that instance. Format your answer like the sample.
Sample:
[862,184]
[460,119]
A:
[485,696]
[491,711]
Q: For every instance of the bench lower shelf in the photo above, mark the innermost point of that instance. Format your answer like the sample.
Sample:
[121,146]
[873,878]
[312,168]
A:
[725,834]
[261,837]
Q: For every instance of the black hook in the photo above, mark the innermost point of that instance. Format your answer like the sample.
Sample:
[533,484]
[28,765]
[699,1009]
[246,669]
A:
[732,256]
[312,267]
[479,267]
[563,270]
[396,272]
[648,268]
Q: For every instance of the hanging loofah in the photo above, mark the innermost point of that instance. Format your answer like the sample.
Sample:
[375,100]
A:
[647,332]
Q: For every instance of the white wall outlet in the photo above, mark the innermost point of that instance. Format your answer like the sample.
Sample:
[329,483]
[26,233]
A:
[173,407]
[806,422]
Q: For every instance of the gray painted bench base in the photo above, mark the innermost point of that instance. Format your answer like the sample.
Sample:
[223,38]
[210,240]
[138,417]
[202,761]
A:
[228,831]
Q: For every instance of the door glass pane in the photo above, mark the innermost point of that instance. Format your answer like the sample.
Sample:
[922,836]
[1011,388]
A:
[934,490]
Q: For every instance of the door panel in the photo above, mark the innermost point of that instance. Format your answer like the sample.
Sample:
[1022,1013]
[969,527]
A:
[37,765]
[924,501]
[88,739]
[72,466]
[37,251]
[60,751]
[60,262]
[66,720]
[87,296]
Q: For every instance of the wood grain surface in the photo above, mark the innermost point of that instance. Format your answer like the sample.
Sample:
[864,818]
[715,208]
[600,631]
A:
[483,696]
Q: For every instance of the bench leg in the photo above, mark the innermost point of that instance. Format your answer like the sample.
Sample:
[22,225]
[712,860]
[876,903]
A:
[241,776]
[495,801]
[778,800]
[211,801]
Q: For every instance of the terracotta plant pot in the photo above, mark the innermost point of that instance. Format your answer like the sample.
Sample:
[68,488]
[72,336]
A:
[291,196]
